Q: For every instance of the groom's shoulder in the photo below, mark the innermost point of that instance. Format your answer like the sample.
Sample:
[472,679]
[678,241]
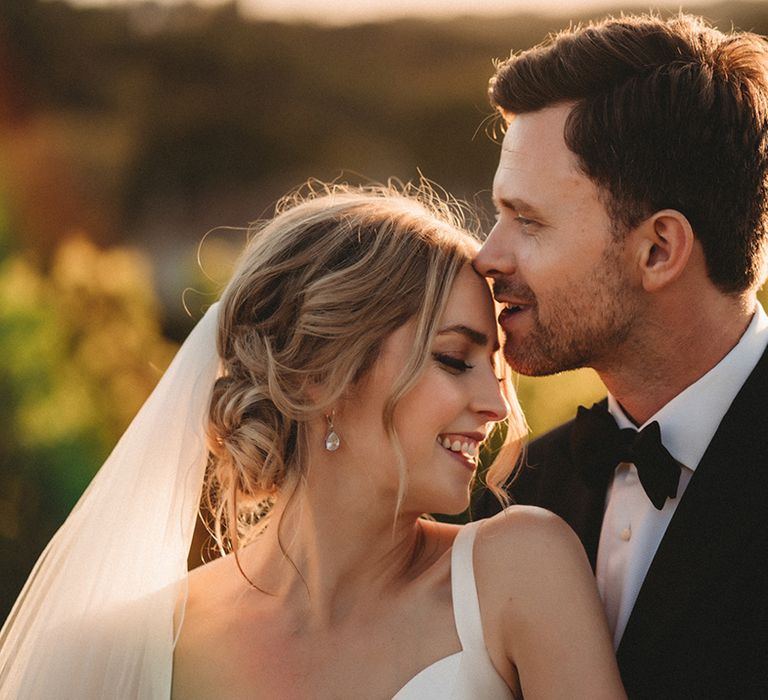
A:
[546,459]
[552,445]
[553,448]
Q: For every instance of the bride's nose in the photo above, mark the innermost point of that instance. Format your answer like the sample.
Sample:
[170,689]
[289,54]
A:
[489,401]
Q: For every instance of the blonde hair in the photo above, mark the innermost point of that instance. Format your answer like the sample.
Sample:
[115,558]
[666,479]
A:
[316,292]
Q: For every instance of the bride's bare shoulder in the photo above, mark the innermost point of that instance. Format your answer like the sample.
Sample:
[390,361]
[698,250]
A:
[537,595]
[514,522]
[523,545]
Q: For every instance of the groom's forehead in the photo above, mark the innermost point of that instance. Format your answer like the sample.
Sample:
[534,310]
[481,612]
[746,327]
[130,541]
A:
[527,171]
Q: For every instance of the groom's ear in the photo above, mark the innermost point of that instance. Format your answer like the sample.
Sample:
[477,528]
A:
[665,242]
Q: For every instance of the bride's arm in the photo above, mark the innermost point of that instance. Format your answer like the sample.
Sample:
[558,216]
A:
[541,609]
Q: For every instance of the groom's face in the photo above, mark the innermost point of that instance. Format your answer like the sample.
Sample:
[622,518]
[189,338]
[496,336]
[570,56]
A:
[564,279]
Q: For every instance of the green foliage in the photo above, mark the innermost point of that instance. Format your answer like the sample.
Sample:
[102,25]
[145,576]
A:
[549,401]
[81,349]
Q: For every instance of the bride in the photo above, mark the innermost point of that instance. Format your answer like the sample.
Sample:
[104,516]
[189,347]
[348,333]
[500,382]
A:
[356,380]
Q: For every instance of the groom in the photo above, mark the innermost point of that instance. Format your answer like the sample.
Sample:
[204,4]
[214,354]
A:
[632,196]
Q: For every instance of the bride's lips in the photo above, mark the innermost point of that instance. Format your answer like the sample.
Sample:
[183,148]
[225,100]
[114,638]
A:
[463,447]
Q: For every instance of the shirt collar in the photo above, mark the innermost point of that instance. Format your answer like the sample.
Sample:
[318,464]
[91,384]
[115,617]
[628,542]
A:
[689,421]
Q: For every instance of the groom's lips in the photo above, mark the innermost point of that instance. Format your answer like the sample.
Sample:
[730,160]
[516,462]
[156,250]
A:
[513,310]
[513,315]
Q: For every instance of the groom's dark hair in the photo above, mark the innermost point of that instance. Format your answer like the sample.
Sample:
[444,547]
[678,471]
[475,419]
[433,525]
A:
[668,114]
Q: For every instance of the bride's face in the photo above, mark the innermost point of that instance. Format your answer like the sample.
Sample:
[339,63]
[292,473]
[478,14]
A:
[452,407]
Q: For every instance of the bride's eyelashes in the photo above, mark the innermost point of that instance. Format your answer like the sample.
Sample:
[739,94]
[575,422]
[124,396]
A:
[453,364]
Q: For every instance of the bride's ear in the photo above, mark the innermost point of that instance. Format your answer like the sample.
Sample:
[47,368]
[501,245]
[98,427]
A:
[666,241]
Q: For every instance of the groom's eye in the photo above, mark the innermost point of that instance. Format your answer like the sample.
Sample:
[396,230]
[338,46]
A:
[523,221]
[453,363]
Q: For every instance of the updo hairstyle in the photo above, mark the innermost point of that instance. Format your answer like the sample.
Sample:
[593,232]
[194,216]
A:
[316,292]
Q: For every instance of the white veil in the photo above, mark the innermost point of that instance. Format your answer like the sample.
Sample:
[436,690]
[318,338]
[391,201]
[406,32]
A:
[95,618]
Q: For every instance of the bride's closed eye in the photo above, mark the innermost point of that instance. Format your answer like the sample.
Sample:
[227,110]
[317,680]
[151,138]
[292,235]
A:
[453,364]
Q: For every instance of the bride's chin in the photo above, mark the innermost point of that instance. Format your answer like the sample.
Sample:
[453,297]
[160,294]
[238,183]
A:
[452,505]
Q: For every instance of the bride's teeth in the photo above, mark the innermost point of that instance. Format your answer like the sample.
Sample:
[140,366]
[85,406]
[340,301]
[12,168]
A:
[468,448]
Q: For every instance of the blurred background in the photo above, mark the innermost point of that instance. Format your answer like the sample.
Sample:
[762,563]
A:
[138,139]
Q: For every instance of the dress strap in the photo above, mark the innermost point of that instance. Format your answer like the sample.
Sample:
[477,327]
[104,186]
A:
[466,606]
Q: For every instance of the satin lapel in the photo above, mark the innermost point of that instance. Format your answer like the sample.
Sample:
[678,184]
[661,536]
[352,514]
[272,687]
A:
[722,506]
[594,523]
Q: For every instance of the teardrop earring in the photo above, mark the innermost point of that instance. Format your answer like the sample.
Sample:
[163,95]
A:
[332,440]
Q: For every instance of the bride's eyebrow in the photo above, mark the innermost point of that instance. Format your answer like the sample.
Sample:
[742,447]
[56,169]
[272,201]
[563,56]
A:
[475,337]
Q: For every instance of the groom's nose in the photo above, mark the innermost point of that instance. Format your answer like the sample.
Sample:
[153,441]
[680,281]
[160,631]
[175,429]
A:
[496,257]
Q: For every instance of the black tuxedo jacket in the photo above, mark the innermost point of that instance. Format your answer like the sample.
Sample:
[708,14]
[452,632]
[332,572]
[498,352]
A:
[699,628]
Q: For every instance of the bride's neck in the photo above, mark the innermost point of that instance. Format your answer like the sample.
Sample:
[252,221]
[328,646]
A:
[331,550]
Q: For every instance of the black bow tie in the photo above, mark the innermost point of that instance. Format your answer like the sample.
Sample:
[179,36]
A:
[598,445]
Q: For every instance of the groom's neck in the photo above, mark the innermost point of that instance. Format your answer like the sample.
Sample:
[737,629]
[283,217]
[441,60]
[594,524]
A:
[673,347]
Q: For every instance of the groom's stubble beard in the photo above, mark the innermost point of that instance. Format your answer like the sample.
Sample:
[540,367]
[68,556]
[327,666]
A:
[580,323]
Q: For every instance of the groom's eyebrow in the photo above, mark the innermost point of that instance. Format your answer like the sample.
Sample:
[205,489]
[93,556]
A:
[475,337]
[517,205]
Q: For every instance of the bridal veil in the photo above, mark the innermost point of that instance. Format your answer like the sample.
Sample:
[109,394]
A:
[95,618]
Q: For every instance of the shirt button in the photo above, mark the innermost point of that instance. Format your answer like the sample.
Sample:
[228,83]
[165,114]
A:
[626,534]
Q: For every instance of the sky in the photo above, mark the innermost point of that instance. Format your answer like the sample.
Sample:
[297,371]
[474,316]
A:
[348,11]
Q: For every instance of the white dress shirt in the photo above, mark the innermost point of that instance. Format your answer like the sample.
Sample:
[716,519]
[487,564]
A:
[632,527]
